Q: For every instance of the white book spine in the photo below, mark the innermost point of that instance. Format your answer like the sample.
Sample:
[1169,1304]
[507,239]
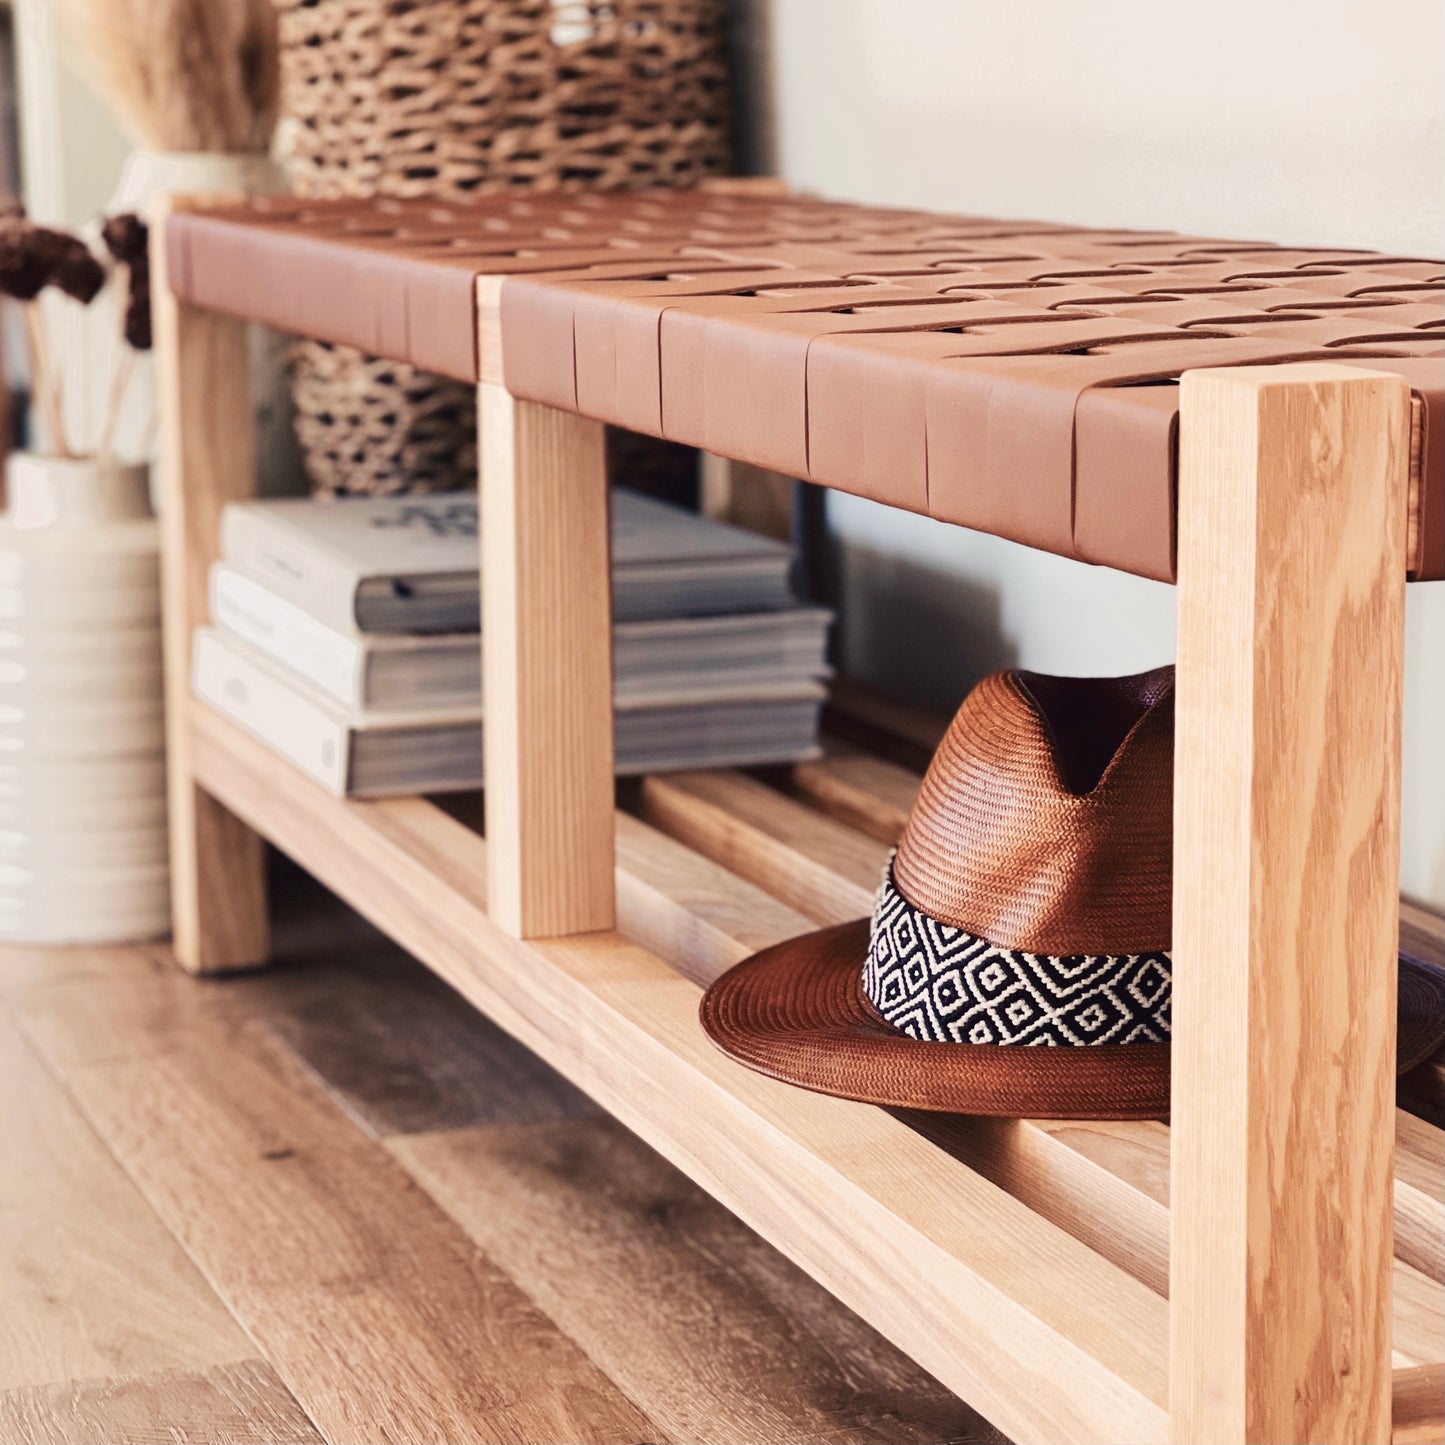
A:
[297,728]
[291,565]
[334,661]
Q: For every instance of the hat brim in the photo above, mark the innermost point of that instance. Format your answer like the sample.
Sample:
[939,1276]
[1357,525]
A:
[797,1012]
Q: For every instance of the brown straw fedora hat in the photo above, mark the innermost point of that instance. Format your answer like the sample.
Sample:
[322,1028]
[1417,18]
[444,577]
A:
[1017,961]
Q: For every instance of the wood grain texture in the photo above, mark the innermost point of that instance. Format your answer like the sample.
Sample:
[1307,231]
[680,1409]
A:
[1419,1406]
[1291,618]
[207,458]
[379,1314]
[547,662]
[238,1404]
[92,1284]
[703,1324]
[1420,1194]
[995,1302]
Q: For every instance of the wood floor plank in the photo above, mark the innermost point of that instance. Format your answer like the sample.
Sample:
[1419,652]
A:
[391,1042]
[381,1316]
[883,725]
[243,1403]
[711,1331]
[22,966]
[92,1285]
[405,1054]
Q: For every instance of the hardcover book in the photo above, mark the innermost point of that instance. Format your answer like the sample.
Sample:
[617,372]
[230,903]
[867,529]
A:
[375,754]
[410,564]
[395,670]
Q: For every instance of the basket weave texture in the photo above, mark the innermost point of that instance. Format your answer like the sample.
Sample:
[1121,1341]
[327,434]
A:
[450,98]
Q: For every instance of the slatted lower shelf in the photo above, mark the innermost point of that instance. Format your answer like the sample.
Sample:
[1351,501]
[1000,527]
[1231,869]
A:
[1024,1263]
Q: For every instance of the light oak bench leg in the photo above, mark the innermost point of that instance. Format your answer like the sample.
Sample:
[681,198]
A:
[1293,487]
[547,668]
[218,892]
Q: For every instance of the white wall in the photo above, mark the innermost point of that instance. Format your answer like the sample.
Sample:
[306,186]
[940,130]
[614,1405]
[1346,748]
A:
[1313,121]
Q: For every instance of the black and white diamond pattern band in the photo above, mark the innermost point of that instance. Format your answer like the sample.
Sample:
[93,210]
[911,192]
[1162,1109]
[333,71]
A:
[935,982]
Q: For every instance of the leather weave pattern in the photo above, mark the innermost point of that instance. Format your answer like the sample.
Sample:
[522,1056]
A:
[1016,377]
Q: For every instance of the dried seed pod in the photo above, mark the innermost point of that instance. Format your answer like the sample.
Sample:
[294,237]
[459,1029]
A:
[75,270]
[138,313]
[126,237]
[24,271]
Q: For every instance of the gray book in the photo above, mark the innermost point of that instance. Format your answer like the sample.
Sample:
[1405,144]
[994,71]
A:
[384,671]
[435,750]
[411,564]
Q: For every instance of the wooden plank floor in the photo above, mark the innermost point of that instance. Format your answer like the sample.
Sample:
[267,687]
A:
[331,1201]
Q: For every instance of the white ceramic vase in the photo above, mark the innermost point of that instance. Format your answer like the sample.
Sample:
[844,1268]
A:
[83,854]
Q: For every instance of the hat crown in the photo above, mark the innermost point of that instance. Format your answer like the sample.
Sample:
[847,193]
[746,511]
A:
[1045,821]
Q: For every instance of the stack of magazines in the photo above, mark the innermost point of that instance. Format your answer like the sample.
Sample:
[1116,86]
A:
[345,637]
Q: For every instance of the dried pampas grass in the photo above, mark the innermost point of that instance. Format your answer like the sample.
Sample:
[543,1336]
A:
[183,75]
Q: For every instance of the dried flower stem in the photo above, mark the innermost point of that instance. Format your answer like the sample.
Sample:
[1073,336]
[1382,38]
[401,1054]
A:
[119,385]
[45,381]
[120,375]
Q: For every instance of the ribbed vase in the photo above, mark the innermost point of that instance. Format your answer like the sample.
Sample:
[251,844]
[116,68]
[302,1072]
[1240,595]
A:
[83,854]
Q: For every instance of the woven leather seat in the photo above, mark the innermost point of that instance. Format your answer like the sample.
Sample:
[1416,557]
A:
[1012,376]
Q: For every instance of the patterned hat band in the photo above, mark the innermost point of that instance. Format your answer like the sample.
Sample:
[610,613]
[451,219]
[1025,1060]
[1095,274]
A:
[935,982]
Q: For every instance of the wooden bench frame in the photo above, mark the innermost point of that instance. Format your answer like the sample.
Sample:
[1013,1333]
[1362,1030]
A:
[1292,540]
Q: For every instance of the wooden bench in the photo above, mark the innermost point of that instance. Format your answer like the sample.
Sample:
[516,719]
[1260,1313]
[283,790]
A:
[1262,425]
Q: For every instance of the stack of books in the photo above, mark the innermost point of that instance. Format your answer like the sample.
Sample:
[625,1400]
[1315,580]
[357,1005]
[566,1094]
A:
[345,637]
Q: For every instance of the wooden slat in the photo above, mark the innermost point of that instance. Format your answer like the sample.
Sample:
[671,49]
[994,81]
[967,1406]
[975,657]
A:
[697,1319]
[1287,795]
[238,1404]
[92,1284]
[1420,1194]
[995,1302]
[547,660]
[378,1312]
[758,834]
[887,728]
[203,396]
[1121,1172]
[689,910]
[867,792]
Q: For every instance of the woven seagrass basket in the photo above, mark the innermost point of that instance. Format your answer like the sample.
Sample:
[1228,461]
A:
[451,98]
